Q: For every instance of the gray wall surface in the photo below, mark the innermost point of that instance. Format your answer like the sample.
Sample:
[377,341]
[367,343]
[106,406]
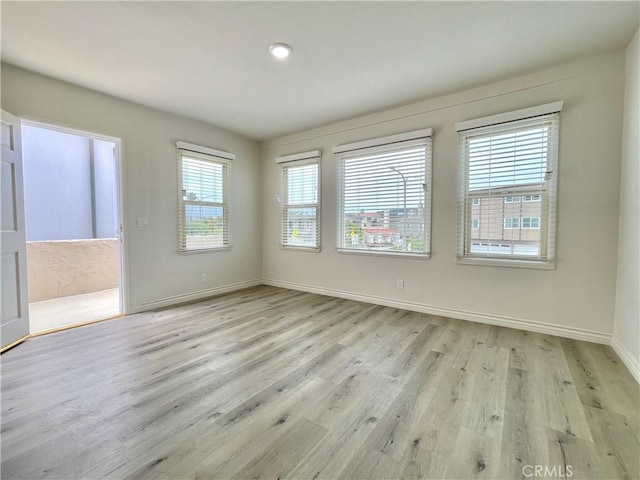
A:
[58,186]
[627,319]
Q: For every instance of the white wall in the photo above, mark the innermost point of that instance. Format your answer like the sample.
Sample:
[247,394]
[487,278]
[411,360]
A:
[627,310]
[576,299]
[156,273]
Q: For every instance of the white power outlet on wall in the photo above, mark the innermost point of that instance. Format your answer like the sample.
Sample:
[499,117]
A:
[205,278]
[400,284]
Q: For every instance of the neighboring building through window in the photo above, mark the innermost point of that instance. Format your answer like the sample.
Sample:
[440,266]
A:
[384,199]
[509,161]
[300,200]
[204,198]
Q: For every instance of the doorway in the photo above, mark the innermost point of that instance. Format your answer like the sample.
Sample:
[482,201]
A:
[72,207]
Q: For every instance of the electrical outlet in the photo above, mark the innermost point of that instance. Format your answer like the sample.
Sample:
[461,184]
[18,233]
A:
[205,278]
[400,284]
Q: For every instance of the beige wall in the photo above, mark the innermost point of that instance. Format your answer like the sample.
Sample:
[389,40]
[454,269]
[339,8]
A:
[157,274]
[71,267]
[579,294]
[627,314]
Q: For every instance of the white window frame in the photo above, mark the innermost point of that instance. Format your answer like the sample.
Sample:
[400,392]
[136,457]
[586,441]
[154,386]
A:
[512,199]
[214,156]
[547,115]
[531,198]
[292,161]
[374,146]
[475,223]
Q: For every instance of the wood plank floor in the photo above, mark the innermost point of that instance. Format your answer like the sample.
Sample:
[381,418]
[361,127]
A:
[273,383]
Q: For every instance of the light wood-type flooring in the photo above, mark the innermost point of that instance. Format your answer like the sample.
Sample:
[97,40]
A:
[273,383]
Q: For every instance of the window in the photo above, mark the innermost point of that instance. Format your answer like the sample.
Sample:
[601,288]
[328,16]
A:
[511,223]
[475,201]
[300,200]
[475,223]
[509,161]
[203,222]
[530,222]
[384,199]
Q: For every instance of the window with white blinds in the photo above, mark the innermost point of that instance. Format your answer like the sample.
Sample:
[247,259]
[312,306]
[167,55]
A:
[507,195]
[300,201]
[384,195]
[203,208]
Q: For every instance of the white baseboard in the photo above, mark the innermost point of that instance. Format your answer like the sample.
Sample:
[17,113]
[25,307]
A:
[629,361]
[210,292]
[528,325]
[632,364]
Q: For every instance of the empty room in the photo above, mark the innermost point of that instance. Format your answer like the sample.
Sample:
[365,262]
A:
[320,240]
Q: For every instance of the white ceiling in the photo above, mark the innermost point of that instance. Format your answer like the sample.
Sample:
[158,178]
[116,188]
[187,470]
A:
[209,60]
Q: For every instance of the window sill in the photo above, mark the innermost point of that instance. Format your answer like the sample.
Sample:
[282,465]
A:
[511,263]
[300,249]
[370,253]
[226,248]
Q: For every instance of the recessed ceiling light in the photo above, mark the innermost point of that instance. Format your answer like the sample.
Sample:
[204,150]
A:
[280,50]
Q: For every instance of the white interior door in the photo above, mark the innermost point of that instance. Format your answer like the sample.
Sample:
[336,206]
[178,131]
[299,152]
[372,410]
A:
[15,305]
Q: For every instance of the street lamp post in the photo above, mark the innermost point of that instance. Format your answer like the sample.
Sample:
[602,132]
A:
[404,180]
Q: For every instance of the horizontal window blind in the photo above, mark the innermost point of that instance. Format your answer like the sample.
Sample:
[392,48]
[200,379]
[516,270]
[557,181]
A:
[203,202]
[508,185]
[384,198]
[301,204]
[312,154]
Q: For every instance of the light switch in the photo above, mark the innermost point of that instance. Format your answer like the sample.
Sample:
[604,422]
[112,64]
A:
[143,222]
